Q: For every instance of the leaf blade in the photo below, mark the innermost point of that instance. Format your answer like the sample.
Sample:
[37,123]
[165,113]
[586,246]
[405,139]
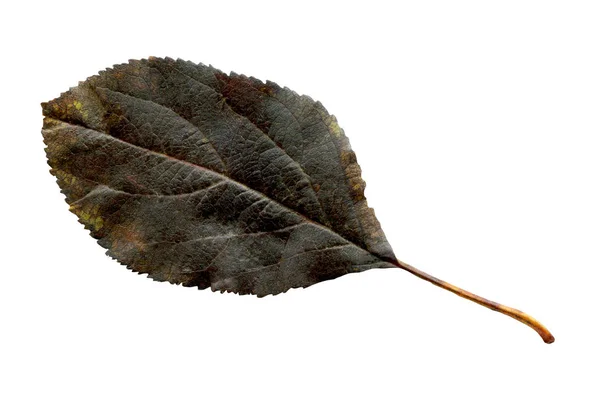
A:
[135,181]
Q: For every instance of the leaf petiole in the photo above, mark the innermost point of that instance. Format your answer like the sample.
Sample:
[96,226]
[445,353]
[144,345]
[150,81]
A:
[509,311]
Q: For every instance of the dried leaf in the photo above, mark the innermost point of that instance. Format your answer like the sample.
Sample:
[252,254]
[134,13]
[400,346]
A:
[211,180]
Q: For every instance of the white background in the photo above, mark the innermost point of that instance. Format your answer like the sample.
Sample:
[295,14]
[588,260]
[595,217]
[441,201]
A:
[477,127]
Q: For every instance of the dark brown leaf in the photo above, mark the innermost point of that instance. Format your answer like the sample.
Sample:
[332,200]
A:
[211,180]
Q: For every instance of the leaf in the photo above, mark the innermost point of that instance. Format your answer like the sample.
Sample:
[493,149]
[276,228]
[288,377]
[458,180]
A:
[205,179]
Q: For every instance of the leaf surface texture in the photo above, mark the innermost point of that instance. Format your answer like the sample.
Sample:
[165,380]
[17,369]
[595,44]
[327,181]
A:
[206,179]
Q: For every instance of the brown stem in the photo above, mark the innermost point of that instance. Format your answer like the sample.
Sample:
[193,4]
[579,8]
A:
[509,311]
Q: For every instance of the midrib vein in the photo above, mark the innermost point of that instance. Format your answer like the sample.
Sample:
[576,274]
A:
[221,176]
